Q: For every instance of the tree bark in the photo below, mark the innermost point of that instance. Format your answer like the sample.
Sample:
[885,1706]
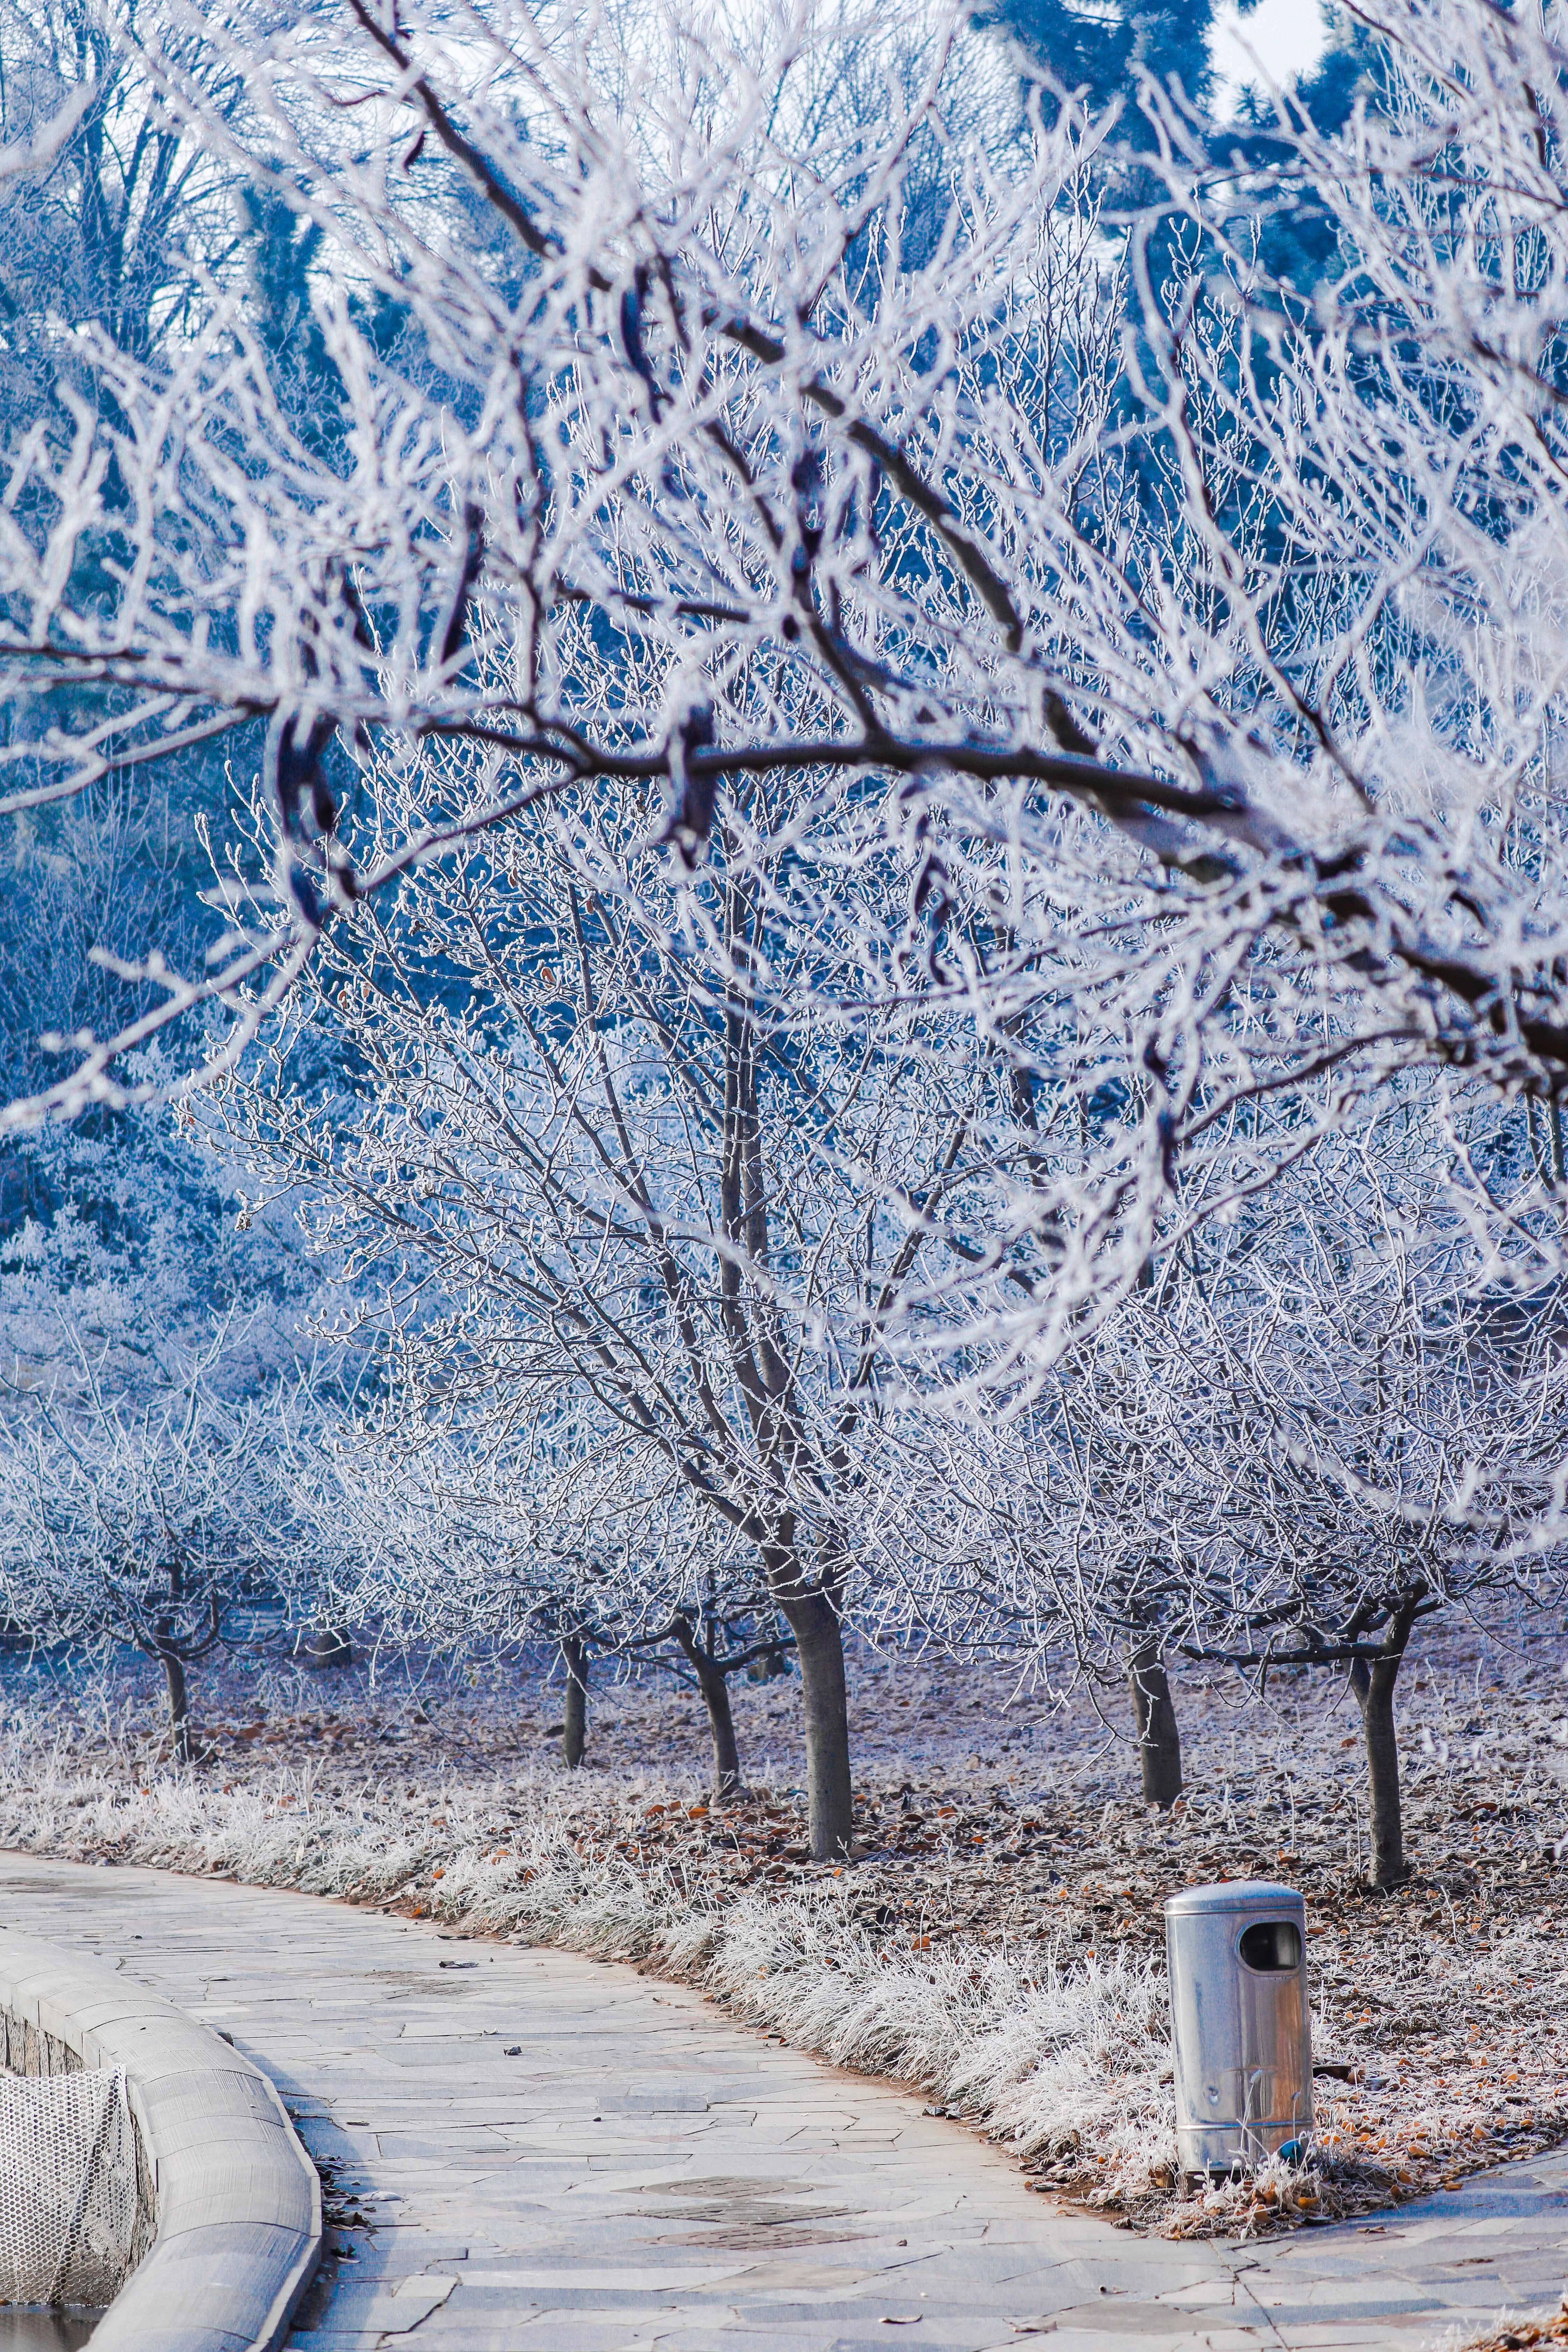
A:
[765,1379]
[179,1706]
[1154,1714]
[1372,1681]
[714,1684]
[819,1645]
[575,1739]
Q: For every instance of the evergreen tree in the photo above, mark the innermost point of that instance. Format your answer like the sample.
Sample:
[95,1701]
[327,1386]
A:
[1100,53]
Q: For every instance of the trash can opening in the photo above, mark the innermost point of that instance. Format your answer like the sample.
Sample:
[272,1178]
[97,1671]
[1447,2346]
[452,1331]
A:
[1271,1946]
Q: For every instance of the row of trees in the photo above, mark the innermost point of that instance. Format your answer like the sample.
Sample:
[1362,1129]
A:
[901,921]
[1303,1436]
[1301,1440]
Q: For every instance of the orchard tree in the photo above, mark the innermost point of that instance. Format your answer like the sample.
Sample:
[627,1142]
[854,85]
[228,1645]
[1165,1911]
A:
[1335,1422]
[692,1595]
[485,1548]
[145,1524]
[1379,1435]
[1033,1532]
[615,1192]
[418,1540]
[1326,1419]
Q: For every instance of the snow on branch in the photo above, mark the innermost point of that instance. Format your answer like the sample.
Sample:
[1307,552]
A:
[1092,643]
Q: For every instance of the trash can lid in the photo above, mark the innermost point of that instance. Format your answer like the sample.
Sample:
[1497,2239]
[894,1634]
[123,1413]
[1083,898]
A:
[1236,1895]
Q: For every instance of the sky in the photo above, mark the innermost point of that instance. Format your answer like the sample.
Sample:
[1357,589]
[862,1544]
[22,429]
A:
[1282,37]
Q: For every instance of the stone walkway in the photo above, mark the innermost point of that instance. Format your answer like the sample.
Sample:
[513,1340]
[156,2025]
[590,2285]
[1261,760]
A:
[563,2156]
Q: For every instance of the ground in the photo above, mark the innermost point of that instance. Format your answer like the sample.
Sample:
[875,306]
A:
[1525,2333]
[997,1937]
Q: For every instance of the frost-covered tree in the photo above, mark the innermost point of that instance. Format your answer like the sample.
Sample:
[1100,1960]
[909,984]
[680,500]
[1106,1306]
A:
[685,1588]
[447,1541]
[1378,1437]
[1022,1533]
[116,221]
[1293,1447]
[748,429]
[416,1541]
[114,209]
[145,1524]
[609,1187]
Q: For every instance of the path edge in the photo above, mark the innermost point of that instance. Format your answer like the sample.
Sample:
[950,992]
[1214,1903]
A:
[237,2201]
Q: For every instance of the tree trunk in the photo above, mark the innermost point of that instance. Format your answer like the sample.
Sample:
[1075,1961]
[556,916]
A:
[328,1648]
[574,1655]
[714,1684]
[819,1645]
[1372,1681]
[179,1709]
[1159,1740]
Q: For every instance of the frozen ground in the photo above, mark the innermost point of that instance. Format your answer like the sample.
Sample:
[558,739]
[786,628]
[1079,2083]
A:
[997,1940]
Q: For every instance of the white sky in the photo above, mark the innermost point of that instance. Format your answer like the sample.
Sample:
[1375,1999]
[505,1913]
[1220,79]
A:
[1283,37]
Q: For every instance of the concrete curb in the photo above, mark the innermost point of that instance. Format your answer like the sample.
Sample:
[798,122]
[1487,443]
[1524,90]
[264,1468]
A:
[237,2201]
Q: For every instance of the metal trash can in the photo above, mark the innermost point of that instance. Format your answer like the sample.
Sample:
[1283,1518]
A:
[1239,2024]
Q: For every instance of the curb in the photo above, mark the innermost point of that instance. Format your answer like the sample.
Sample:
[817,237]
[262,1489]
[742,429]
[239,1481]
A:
[237,2199]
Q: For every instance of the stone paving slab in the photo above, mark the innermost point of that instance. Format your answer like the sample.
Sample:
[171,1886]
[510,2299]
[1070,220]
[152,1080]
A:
[646,2173]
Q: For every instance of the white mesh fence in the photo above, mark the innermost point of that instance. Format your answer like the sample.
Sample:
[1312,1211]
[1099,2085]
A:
[69,2202]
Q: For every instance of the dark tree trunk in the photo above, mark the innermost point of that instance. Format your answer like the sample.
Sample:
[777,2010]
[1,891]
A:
[819,1645]
[328,1648]
[721,1725]
[714,1684]
[1372,1681]
[1159,1740]
[575,1739]
[766,1381]
[179,1706]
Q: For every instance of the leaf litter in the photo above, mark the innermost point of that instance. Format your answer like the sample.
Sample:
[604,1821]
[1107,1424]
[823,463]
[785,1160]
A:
[996,1938]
